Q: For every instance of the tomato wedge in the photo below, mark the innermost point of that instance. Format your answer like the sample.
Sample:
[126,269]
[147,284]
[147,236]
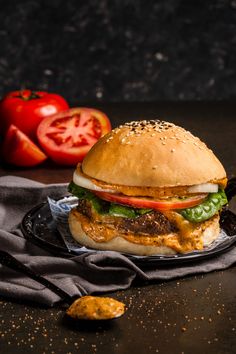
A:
[139,202]
[68,136]
[19,150]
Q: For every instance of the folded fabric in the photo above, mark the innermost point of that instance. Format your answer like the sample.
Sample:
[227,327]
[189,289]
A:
[95,272]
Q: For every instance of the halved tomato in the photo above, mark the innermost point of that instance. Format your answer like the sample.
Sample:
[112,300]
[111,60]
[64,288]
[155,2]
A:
[150,203]
[19,150]
[68,136]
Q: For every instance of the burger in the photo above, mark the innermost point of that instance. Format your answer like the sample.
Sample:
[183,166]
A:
[146,188]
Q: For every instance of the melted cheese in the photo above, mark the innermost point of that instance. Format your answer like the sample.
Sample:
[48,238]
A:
[188,238]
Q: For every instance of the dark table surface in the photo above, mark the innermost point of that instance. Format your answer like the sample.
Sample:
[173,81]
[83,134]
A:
[194,314]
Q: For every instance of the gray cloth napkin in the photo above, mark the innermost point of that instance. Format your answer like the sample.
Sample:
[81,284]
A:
[90,273]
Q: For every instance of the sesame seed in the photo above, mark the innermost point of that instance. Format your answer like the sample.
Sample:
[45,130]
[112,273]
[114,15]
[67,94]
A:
[154,127]
[147,125]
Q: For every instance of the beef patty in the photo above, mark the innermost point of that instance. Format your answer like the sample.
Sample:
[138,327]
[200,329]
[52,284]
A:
[153,223]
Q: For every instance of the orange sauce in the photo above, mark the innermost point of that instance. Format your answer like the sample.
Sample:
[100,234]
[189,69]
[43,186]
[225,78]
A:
[188,237]
[96,308]
[155,192]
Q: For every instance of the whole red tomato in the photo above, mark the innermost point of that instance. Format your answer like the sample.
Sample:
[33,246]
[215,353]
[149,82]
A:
[25,109]
[66,137]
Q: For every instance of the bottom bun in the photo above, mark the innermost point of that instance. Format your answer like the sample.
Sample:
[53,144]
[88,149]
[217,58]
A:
[206,234]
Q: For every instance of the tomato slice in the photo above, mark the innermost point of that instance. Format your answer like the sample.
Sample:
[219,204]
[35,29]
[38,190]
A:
[139,202]
[68,136]
[19,150]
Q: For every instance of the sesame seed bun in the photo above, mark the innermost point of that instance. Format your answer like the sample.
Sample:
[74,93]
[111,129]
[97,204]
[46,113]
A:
[152,159]
[152,154]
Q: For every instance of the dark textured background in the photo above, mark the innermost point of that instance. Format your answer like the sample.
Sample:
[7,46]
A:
[120,49]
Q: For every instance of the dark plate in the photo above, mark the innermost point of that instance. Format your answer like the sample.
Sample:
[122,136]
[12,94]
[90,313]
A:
[39,227]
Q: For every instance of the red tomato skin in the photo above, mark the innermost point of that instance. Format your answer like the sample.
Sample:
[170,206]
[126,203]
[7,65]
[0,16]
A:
[137,202]
[61,154]
[19,109]
[19,150]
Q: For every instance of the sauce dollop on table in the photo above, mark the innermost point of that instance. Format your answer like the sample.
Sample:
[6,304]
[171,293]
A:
[96,308]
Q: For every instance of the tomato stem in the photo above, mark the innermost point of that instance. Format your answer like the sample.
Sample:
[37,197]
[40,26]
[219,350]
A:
[27,95]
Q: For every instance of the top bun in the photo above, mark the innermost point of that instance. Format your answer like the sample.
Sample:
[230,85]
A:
[152,154]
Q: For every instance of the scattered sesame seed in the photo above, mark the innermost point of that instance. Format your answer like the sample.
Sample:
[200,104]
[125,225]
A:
[136,129]
[147,125]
